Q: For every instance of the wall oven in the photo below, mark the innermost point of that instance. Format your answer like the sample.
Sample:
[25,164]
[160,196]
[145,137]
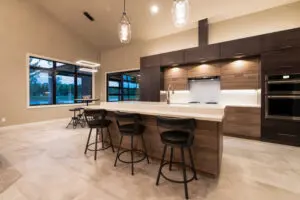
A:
[282,96]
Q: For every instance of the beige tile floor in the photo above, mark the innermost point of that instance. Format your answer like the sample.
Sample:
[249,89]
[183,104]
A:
[45,161]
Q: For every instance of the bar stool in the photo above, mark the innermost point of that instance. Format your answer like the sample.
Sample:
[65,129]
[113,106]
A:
[130,125]
[177,133]
[96,120]
[77,118]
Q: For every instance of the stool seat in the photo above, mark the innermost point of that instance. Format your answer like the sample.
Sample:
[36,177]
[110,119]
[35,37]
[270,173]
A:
[99,123]
[131,129]
[75,109]
[175,137]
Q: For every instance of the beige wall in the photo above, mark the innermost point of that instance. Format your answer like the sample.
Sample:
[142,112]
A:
[127,57]
[26,28]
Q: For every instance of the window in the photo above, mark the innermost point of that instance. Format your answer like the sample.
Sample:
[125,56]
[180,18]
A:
[123,86]
[53,82]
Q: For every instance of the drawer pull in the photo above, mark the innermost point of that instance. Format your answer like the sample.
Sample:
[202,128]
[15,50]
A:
[288,135]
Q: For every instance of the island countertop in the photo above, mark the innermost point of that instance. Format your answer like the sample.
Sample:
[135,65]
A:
[197,111]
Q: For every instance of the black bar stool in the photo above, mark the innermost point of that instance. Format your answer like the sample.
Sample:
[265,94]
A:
[96,120]
[77,118]
[130,125]
[177,133]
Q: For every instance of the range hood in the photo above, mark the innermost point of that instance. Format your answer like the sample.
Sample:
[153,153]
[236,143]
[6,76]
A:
[213,78]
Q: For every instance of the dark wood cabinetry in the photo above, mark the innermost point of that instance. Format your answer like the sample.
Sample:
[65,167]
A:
[240,48]
[150,84]
[172,58]
[202,54]
[150,61]
[281,40]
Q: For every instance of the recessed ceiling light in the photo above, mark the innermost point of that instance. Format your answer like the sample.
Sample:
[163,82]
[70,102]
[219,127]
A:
[154,9]
[86,63]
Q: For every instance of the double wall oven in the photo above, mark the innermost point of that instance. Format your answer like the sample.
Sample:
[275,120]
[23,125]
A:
[282,96]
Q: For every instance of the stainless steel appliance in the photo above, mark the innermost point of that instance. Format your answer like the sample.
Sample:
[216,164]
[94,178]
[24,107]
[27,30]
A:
[282,97]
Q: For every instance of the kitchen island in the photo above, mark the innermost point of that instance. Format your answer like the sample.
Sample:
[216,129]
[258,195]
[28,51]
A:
[208,142]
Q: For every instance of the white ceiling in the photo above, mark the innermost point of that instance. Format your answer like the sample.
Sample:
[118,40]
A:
[103,32]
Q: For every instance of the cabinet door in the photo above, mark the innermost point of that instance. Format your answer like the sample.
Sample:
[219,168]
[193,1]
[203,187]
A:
[172,58]
[150,61]
[241,74]
[202,54]
[283,61]
[242,121]
[281,40]
[150,84]
[241,48]
[204,70]
[177,77]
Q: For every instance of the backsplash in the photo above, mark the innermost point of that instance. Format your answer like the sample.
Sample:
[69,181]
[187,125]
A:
[225,97]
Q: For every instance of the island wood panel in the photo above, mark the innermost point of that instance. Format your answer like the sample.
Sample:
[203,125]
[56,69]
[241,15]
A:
[207,149]
[204,70]
[242,121]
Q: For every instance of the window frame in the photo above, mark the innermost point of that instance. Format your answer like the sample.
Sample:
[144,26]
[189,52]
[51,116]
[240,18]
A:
[28,67]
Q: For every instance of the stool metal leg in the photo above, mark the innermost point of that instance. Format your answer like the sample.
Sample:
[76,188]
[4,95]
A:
[88,141]
[184,173]
[145,149]
[111,144]
[96,143]
[102,138]
[131,152]
[161,164]
[171,159]
[117,157]
[192,162]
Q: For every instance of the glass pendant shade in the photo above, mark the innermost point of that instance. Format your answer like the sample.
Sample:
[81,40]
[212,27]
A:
[124,29]
[180,12]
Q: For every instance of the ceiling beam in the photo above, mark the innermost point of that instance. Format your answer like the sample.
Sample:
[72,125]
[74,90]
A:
[203,32]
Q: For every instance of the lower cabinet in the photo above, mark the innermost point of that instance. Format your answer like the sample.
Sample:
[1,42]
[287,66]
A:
[242,122]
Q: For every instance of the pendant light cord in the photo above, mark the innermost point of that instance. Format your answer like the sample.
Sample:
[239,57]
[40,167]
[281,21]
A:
[124,11]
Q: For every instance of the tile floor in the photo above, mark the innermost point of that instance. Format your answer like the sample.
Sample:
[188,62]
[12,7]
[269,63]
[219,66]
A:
[45,161]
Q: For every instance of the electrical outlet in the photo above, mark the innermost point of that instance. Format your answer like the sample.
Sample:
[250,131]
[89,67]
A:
[3,119]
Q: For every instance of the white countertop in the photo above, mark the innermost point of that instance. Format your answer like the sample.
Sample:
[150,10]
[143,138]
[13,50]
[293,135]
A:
[196,111]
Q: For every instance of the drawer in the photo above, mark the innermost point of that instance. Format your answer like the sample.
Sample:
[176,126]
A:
[280,136]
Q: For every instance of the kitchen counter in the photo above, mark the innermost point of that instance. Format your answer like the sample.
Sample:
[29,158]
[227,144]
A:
[208,137]
[196,111]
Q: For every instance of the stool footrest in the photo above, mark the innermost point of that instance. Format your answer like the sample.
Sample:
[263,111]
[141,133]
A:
[100,149]
[134,161]
[177,181]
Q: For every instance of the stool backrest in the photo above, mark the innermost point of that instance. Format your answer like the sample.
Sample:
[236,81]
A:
[127,118]
[177,124]
[94,115]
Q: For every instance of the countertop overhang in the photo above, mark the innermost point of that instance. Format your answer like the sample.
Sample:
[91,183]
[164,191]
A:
[199,112]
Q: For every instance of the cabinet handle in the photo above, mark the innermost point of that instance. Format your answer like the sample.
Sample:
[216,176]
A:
[284,134]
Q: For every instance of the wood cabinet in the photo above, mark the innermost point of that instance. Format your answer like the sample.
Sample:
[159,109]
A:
[150,84]
[283,61]
[240,74]
[281,40]
[150,61]
[177,77]
[172,58]
[242,121]
[241,48]
[202,54]
[204,70]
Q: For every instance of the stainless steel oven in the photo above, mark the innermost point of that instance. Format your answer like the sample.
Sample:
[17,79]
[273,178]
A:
[282,96]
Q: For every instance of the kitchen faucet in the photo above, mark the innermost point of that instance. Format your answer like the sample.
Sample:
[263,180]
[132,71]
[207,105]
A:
[170,87]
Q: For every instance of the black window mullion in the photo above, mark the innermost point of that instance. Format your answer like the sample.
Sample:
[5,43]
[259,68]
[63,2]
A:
[75,84]
[54,83]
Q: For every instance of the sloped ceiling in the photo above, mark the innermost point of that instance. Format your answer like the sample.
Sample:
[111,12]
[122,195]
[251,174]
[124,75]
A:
[103,32]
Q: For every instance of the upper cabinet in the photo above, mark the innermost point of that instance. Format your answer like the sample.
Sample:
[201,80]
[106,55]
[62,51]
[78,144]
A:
[240,74]
[202,54]
[150,61]
[281,40]
[240,48]
[204,70]
[172,58]
[176,77]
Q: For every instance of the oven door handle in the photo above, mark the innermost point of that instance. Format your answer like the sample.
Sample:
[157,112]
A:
[283,96]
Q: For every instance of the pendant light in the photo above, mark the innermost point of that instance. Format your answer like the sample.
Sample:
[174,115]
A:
[124,27]
[180,12]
